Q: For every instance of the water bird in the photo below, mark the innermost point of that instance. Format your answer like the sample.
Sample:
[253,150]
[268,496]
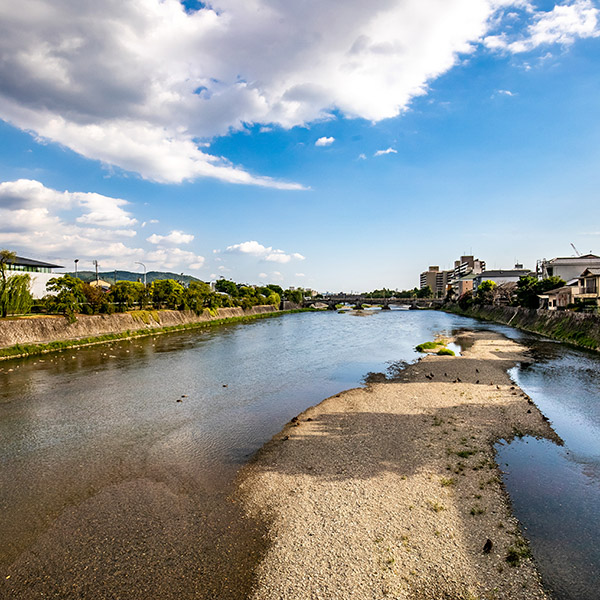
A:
[487,547]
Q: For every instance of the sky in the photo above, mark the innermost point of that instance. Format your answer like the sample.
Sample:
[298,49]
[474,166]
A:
[338,146]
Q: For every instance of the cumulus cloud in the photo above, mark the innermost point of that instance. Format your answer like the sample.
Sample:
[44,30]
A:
[561,25]
[388,151]
[174,238]
[144,84]
[325,141]
[506,92]
[253,248]
[36,218]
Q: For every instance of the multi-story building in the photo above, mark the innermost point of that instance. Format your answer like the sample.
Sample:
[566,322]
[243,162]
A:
[466,265]
[568,268]
[437,280]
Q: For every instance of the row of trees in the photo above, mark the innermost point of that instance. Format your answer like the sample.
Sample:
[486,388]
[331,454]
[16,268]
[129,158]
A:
[70,295]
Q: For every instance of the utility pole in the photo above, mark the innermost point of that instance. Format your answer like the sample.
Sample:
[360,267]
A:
[76,261]
[143,265]
[96,265]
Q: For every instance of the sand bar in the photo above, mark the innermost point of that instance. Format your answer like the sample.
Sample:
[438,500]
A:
[392,490]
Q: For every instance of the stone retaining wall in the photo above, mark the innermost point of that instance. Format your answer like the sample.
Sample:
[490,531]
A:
[45,329]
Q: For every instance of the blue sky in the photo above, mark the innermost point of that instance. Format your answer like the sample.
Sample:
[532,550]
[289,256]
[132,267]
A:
[337,147]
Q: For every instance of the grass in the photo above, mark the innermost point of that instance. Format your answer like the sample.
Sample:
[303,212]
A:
[447,481]
[477,510]
[516,553]
[21,350]
[445,352]
[428,346]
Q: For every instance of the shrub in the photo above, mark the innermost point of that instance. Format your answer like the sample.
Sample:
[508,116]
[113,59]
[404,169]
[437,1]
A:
[445,352]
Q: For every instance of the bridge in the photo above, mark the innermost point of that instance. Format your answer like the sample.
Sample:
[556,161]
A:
[358,300]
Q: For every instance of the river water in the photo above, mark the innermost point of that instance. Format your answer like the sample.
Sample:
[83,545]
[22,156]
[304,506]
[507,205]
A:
[174,416]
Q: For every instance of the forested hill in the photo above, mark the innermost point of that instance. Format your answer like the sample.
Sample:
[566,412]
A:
[109,276]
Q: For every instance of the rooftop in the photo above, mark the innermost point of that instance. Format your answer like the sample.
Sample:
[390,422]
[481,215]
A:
[29,262]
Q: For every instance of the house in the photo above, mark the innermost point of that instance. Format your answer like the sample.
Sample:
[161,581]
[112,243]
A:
[559,298]
[501,276]
[588,290]
[40,273]
[568,267]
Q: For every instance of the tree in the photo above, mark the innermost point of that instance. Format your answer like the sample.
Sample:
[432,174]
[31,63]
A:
[6,257]
[529,287]
[227,286]
[167,293]
[15,297]
[296,296]
[485,292]
[95,298]
[425,292]
[276,288]
[68,295]
[126,293]
[196,295]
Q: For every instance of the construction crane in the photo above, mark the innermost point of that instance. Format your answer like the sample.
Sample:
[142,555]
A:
[576,251]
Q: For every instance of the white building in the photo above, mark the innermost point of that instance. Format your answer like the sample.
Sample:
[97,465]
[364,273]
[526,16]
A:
[568,267]
[40,273]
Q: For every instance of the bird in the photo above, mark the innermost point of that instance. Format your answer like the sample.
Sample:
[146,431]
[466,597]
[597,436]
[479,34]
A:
[487,547]
[477,381]
[476,370]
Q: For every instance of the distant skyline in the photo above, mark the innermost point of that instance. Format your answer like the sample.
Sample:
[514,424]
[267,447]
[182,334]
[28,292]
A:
[336,146]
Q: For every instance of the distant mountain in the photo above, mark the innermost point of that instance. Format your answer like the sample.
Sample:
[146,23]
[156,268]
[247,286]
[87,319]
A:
[109,276]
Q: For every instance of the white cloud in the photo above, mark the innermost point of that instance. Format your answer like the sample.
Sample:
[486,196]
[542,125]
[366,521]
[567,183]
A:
[388,151]
[300,275]
[506,92]
[262,275]
[174,238]
[362,156]
[40,220]
[268,254]
[325,141]
[561,25]
[143,84]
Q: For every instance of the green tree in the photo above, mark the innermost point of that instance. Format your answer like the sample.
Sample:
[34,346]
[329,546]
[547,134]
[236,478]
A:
[126,294]
[296,296]
[95,297]
[529,287]
[276,288]
[15,295]
[167,293]
[68,295]
[425,292]
[6,257]
[227,286]
[196,295]
[485,292]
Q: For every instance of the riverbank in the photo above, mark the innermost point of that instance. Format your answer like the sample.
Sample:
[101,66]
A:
[38,335]
[579,329]
[392,490]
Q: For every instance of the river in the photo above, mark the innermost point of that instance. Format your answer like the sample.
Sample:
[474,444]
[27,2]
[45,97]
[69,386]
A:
[119,458]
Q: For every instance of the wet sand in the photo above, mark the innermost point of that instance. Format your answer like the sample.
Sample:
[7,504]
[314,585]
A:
[392,491]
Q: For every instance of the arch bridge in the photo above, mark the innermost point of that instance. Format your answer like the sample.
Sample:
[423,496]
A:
[358,300]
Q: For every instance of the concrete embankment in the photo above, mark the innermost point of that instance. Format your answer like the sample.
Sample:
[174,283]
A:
[27,332]
[580,329]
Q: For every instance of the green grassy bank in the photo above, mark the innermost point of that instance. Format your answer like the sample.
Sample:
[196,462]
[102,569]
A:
[22,350]
[579,329]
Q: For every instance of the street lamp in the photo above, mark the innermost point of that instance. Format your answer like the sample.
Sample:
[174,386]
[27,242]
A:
[76,261]
[143,265]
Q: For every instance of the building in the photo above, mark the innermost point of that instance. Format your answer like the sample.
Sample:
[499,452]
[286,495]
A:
[500,276]
[437,280]
[40,273]
[466,265]
[559,298]
[568,268]
[463,284]
[588,290]
[428,278]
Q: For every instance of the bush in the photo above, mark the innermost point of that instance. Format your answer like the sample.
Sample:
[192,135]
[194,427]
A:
[445,352]
[428,346]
